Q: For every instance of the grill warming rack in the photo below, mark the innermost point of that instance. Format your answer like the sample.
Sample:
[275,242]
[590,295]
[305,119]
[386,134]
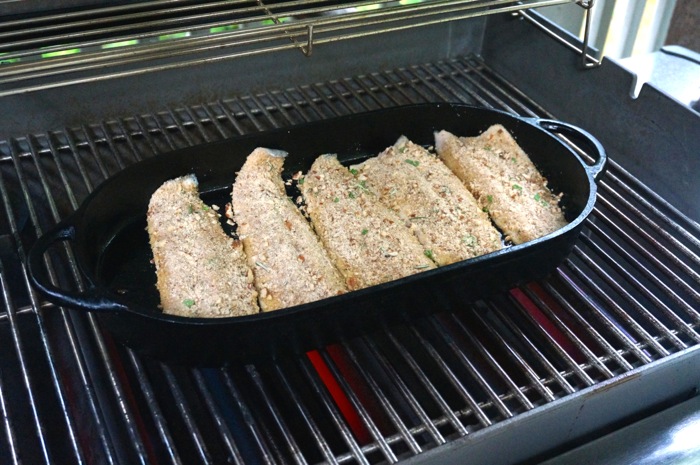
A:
[47,49]
[625,299]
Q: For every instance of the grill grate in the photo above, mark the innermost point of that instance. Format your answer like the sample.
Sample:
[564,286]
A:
[626,297]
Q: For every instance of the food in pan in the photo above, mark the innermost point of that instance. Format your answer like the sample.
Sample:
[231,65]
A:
[368,242]
[428,197]
[393,215]
[504,181]
[291,266]
[201,271]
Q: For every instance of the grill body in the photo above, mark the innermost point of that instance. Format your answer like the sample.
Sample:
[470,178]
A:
[609,337]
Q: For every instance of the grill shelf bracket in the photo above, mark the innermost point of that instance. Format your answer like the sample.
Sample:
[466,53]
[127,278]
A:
[51,49]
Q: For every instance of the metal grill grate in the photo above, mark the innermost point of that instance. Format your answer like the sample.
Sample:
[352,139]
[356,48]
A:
[625,298]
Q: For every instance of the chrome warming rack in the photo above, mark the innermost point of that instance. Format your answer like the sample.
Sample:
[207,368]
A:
[48,49]
[623,304]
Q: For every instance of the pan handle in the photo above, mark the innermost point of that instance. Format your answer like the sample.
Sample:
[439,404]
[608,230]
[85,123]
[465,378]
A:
[93,298]
[597,169]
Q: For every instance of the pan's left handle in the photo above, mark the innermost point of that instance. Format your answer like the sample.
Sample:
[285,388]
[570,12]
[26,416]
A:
[92,298]
[595,149]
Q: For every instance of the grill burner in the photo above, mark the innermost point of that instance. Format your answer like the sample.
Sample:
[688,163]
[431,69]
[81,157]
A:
[625,299]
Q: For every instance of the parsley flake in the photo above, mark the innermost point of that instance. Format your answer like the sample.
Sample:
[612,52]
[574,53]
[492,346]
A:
[354,171]
[429,253]
[412,162]
[188,303]
[336,199]
[517,187]
[365,231]
[301,181]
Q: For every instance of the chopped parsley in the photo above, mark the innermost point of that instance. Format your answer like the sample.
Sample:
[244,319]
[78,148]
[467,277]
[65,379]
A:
[517,187]
[487,147]
[188,303]
[469,240]
[489,198]
[421,267]
[206,208]
[336,199]
[429,253]
[354,171]
[351,195]
[412,162]
[301,180]
[365,231]
[190,209]
[538,198]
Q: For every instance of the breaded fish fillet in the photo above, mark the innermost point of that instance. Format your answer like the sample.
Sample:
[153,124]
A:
[368,242]
[504,181]
[433,201]
[201,271]
[291,266]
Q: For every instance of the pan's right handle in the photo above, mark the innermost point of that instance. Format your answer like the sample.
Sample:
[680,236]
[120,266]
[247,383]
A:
[597,169]
[93,298]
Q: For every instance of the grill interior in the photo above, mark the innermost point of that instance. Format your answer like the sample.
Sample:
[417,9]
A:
[626,298]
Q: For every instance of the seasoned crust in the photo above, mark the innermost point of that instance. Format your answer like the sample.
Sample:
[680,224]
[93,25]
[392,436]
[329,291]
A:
[291,266]
[367,241]
[201,272]
[504,181]
[443,214]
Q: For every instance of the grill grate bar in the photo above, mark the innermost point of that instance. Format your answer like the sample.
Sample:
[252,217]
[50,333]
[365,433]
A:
[648,238]
[278,419]
[146,388]
[535,381]
[646,291]
[563,354]
[307,417]
[523,338]
[492,362]
[618,310]
[74,345]
[407,393]
[404,434]
[590,330]
[451,375]
[360,409]
[647,273]
[355,450]
[568,332]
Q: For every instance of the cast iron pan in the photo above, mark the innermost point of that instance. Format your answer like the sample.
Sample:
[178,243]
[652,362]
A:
[108,237]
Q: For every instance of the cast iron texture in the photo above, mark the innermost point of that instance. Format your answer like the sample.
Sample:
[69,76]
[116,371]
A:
[111,248]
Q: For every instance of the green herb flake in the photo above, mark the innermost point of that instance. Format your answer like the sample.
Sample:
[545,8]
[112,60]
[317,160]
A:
[514,160]
[469,240]
[336,199]
[190,209]
[487,147]
[354,171]
[538,198]
[489,198]
[517,187]
[485,209]
[429,253]
[421,267]
[351,195]
[188,303]
[365,231]
[412,162]
[206,208]
[301,181]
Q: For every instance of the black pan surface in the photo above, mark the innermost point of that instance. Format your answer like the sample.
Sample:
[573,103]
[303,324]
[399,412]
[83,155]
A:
[112,252]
